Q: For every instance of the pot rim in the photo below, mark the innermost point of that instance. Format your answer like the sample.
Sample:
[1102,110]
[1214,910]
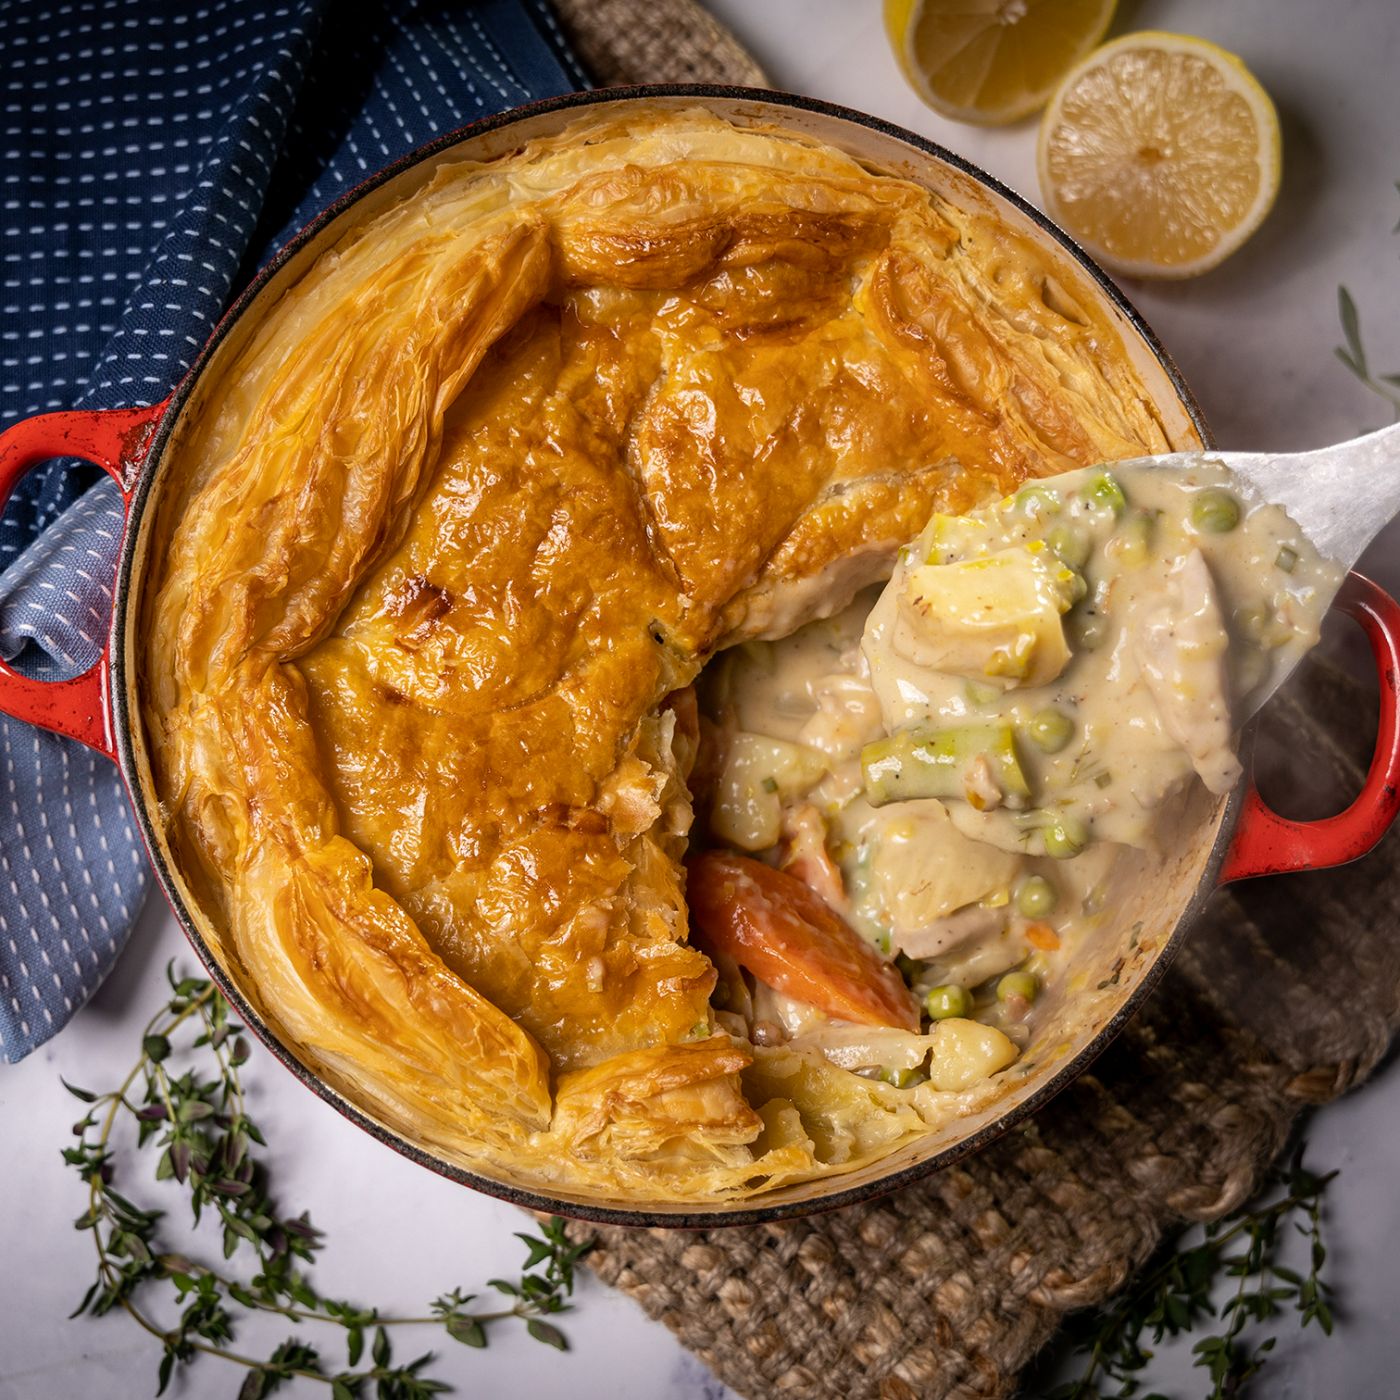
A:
[126,718]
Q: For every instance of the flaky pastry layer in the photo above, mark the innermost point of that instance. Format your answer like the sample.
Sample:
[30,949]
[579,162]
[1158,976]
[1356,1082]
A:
[499,473]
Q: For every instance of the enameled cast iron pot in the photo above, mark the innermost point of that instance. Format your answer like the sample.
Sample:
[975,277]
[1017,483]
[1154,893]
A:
[1237,838]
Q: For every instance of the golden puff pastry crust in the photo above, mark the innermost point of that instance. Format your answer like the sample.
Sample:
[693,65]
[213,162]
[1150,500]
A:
[493,478]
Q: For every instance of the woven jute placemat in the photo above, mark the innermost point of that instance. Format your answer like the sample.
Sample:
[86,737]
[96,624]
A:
[948,1289]
[655,41]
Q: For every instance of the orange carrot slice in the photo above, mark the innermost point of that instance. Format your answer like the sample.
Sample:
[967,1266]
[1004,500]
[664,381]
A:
[1042,936]
[770,923]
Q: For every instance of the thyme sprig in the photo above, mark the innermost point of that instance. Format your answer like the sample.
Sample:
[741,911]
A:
[198,1120]
[1177,1293]
[1353,353]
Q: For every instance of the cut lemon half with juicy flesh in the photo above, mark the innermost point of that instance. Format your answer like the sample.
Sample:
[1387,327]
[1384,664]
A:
[1160,153]
[992,61]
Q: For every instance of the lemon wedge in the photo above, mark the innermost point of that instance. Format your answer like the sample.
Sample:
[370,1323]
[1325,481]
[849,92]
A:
[991,61]
[1160,153]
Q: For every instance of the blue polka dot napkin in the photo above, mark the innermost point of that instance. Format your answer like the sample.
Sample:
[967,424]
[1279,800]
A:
[152,156]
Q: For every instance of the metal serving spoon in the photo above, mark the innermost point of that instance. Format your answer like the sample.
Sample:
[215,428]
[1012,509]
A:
[1341,498]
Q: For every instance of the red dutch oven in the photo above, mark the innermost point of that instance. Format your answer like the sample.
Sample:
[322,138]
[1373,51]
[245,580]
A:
[1238,838]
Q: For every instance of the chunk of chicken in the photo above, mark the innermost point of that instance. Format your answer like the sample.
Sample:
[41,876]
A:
[996,616]
[1180,644]
[805,855]
[925,870]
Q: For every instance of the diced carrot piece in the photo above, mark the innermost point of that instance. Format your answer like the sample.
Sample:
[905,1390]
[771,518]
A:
[1042,936]
[770,923]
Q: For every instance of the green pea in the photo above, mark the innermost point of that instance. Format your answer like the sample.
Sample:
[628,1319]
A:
[1259,623]
[1253,621]
[1050,730]
[1214,512]
[1065,836]
[1018,984]
[1037,500]
[1072,543]
[1134,546]
[950,1000]
[904,1078]
[1089,623]
[1036,897]
[1286,558]
[1104,493]
[1090,629]
[1249,669]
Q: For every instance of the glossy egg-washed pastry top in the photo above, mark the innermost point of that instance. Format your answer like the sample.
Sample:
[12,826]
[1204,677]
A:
[493,478]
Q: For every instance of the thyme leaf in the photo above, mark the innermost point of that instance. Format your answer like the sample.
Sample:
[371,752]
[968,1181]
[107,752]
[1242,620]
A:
[1178,1291]
[1353,352]
[195,1124]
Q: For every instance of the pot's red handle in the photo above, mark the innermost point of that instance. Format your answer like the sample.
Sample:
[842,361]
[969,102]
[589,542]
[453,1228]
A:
[116,440]
[1268,844]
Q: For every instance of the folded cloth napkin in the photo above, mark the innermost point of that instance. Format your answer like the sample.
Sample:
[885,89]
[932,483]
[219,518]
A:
[154,154]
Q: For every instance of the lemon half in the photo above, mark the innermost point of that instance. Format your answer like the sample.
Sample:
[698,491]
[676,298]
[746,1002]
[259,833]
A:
[1160,153]
[992,61]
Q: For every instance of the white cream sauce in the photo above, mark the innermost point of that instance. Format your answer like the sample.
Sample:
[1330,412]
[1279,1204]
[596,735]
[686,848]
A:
[958,761]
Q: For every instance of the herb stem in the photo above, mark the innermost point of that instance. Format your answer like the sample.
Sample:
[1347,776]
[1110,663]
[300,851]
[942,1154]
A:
[1171,1295]
[1353,353]
[198,1117]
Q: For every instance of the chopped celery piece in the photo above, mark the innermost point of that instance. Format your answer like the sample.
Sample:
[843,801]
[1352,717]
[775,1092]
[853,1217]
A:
[1090,630]
[934,762]
[950,535]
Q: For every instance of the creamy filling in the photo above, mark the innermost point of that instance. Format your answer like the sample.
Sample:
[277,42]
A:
[958,763]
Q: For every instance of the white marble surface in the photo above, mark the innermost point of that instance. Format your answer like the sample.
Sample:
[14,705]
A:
[1255,340]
